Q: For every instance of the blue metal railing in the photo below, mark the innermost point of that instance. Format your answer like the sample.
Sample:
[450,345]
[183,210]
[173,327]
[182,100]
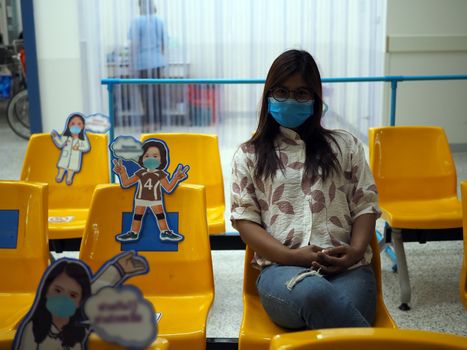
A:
[393,79]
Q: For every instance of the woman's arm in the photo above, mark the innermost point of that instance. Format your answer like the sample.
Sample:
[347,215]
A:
[342,257]
[362,230]
[271,249]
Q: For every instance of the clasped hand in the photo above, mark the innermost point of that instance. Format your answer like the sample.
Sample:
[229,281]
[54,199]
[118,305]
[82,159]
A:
[330,260]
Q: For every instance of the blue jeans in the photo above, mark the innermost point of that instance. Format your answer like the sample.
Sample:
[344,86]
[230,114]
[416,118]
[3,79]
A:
[347,299]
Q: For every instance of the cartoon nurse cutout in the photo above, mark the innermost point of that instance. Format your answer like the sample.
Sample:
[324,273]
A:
[151,179]
[73,142]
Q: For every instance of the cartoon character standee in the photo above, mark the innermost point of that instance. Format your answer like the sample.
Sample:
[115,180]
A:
[151,179]
[73,143]
[57,320]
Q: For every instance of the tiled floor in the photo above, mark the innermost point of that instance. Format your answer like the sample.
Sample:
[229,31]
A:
[434,267]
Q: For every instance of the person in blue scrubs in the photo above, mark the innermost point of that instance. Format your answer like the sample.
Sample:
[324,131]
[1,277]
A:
[148,40]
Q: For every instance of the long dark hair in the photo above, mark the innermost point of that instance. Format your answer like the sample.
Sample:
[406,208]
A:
[319,154]
[162,149]
[74,332]
[68,131]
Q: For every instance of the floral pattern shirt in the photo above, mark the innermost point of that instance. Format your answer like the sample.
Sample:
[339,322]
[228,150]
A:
[299,210]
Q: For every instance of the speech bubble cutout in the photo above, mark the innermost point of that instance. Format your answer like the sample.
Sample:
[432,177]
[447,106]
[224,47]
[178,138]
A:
[97,123]
[122,316]
[126,148]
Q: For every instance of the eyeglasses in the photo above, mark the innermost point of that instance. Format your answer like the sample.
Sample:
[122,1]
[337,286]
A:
[300,95]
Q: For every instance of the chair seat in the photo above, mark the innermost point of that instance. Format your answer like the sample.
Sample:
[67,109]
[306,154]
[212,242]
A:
[72,229]
[423,214]
[13,308]
[216,221]
[96,343]
[183,321]
[257,329]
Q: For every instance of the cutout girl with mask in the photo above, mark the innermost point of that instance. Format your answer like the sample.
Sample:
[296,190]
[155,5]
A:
[57,320]
[73,143]
[151,178]
[304,199]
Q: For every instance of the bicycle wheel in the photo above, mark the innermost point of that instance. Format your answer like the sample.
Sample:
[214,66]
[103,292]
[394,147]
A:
[18,114]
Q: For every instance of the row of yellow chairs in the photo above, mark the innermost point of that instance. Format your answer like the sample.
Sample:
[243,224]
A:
[179,284]
[417,184]
[256,314]
[200,151]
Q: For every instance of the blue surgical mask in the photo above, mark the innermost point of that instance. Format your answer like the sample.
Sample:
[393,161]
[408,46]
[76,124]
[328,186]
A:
[61,305]
[151,163]
[290,113]
[75,129]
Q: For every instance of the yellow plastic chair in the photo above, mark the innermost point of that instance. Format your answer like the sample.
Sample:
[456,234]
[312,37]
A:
[368,339]
[40,165]
[257,329]
[94,343]
[416,180]
[463,281]
[27,256]
[179,284]
[201,152]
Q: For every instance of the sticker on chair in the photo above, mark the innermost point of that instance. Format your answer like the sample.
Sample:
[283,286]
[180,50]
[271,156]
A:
[71,303]
[73,142]
[59,219]
[144,165]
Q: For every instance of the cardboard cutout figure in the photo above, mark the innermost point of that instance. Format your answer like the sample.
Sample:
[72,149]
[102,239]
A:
[97,123]
[57,320]
[151,178]
[73,142]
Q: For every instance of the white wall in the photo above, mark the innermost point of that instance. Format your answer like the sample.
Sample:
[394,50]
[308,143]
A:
[59,62]
[428,37]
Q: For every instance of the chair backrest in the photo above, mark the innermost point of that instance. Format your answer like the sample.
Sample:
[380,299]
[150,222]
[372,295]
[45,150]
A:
[186,271]
[367,339]
[463,279]
[412,162]
[40,164]
[24,250]
[382,318]
[201,152]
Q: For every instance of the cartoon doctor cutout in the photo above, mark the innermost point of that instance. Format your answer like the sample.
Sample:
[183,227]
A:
[73,142]
[151,178]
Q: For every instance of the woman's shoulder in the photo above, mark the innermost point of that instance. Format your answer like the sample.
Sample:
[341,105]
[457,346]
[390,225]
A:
[245,150]
[345,138]
[244,156]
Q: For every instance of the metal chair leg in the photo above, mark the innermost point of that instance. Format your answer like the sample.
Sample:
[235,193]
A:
[403,272]
[383,246]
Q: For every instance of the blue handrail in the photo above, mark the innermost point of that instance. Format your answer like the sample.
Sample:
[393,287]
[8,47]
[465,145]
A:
[393,79]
